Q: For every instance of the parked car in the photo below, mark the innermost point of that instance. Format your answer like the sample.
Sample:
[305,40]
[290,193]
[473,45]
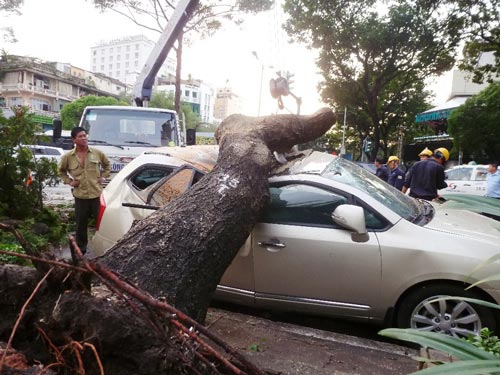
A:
[335,240]
[39,151]
[370,167]
[466,179]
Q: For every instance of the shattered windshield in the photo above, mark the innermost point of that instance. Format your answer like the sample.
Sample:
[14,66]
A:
[349,173]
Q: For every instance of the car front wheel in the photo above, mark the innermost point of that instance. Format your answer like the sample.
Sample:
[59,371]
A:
[453,317]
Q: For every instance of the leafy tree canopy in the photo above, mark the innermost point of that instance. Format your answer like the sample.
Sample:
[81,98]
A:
[9,6]
[475,125]
[207,18]
[479,21]
[374,61]
[71,112]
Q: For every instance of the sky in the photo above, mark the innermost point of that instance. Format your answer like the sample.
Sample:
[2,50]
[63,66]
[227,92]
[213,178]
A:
[65,30]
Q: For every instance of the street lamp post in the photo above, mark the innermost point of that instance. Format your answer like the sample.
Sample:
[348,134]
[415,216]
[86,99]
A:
[261,79]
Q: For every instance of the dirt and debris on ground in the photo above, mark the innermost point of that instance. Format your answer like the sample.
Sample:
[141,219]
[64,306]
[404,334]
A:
[283,348]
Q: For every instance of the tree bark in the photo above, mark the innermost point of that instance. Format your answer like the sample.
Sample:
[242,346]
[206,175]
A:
[179,253]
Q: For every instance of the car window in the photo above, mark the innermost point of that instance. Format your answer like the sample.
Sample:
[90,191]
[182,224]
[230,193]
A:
[481,173]
[459,174]
[148,176]
[174,186]
[350,174]
[302,205]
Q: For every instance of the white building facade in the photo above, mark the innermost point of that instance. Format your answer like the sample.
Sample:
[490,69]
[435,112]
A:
[200,95]
[227,102]
[124,58]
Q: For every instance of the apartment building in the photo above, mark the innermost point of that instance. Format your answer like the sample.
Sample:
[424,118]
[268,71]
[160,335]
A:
[124,58]
[227,102]
[200,95]
[46,87]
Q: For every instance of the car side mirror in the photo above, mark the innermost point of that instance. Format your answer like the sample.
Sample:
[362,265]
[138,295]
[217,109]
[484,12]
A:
[352,217]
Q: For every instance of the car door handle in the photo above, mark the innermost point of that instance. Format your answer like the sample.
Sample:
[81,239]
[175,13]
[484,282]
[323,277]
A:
[278,245]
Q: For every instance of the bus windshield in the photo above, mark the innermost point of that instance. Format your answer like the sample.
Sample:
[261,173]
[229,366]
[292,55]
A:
[137,127]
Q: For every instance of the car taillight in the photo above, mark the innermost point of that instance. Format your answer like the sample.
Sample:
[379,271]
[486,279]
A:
[102,207]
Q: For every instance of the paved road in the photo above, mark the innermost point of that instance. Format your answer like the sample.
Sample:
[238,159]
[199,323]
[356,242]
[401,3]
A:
[59,194]
[285,348]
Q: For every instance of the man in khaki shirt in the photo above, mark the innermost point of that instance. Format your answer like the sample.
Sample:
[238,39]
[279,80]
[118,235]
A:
[85,169]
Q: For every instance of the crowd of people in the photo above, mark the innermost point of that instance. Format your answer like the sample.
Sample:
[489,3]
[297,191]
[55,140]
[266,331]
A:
[424,178]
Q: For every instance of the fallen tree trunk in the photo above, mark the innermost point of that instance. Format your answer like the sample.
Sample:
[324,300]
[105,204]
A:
[179,253]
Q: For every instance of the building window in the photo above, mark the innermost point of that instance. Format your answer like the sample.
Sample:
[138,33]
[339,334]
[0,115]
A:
[137,55]
[117,65]
[102,68]
[119,49]
[137,47]
[42,105]
[118,57]
[110,66]
[186,93]
[136,63]
[94,52]
[128,48]
[111,50]
[117,74]
[15,100]
[110,58]
[127,64]
[195,94]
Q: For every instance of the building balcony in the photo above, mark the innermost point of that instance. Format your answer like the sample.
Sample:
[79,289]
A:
[24,87]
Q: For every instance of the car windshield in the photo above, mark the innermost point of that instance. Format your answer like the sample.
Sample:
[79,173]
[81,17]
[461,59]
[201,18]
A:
[349,173]
[117,127]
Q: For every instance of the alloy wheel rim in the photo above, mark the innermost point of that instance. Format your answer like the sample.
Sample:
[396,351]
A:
[452,317]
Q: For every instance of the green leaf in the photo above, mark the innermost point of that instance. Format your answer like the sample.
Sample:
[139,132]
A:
[455,347]
[472,367]
[484,263]
[472,300]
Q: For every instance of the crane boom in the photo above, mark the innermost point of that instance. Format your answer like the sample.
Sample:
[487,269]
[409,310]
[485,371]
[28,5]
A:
[144,84]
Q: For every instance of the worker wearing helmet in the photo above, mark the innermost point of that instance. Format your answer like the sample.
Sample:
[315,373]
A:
[396,175]
[425,154]
[426,177]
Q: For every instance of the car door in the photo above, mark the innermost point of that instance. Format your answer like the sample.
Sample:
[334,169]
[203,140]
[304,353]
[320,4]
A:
[479,180]
[459,180]
[305,262]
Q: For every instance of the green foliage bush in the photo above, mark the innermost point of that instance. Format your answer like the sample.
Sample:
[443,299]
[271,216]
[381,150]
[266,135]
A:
[22,179]
[13,248]
[486,341]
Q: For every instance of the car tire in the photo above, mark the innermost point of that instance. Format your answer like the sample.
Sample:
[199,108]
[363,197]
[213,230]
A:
[453,317]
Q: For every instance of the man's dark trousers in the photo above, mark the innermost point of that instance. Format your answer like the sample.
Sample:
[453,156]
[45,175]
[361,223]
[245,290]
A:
[84,210]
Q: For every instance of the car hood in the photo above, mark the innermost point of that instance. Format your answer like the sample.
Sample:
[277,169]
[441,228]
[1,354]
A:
[463,223]
[486,206]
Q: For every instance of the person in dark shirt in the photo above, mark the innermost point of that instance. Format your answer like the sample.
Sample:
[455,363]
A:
[426,177]
[382,171]
[396,176]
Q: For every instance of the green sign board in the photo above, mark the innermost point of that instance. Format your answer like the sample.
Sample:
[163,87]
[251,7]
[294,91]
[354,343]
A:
[43,119]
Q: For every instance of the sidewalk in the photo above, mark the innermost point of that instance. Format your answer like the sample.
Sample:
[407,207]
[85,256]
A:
[283,348]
